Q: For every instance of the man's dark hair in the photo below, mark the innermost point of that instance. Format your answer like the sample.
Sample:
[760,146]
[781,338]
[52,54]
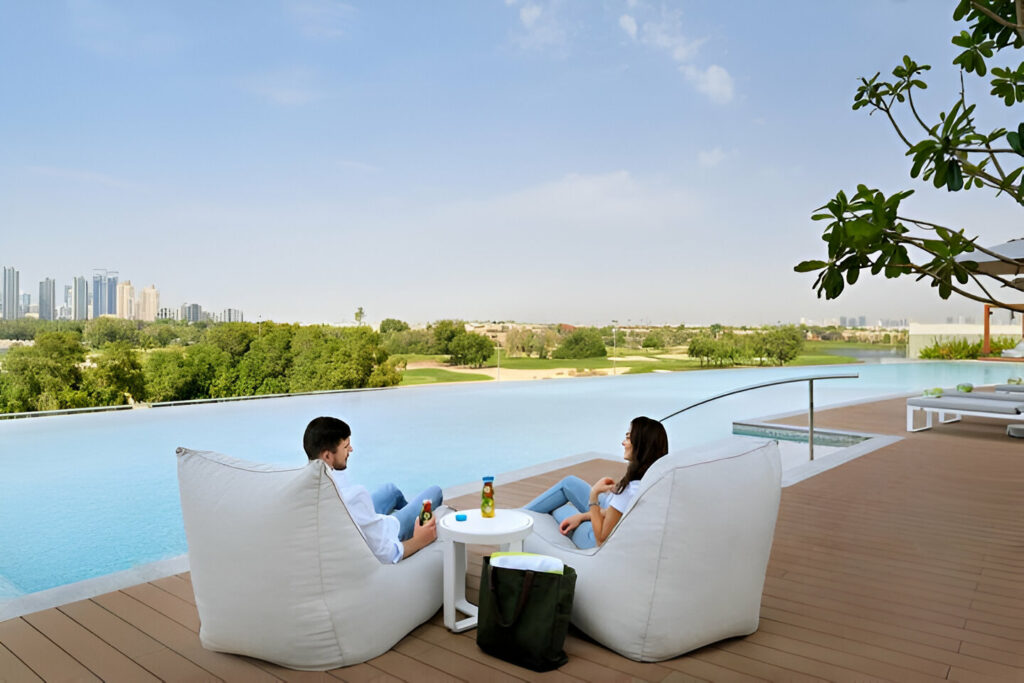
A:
[324,434]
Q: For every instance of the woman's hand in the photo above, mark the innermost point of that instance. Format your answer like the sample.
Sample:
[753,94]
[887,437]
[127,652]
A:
[570,523]
[601,486]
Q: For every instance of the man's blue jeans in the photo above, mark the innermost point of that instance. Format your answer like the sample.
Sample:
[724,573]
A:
[389,500]
[564,499]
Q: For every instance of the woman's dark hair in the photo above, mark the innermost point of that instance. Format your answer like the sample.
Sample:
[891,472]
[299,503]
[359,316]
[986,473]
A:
[324,434]
[649,442]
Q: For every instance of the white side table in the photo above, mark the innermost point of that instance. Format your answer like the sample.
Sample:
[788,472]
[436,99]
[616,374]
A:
[507,528]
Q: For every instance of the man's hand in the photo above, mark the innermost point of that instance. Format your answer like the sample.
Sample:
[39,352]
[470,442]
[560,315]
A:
[422,536]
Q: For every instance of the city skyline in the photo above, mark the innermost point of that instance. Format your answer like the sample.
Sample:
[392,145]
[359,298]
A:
[514,160]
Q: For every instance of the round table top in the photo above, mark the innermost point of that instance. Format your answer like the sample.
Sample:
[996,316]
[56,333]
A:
[506,526]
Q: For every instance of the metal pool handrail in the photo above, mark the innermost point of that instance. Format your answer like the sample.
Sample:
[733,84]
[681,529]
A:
[810,398]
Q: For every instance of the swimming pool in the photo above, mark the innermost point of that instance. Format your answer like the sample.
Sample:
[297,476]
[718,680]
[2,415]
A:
[87,495]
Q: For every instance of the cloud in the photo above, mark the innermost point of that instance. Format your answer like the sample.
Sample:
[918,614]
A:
[529,14]
[287,87]
[541,27]
[715,82]
[321,18]
[665,34]
[710,158]
[628,25]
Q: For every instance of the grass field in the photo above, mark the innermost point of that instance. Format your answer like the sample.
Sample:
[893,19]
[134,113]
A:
[434,375]
[640,361]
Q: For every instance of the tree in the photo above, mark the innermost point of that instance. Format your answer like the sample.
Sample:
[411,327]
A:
[105,330]
[232,338]
[359,315]
[470,348]
[783,344]
[115,375]
[653,340]
[868,231]
[264,367]
[389,325]
[444,331]
[46,375]
[584,342]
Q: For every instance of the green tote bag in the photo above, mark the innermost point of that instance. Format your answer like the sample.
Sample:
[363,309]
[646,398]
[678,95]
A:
[524,615]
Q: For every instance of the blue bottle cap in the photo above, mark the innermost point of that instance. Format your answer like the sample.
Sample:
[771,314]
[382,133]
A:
[488,478]
[460,517]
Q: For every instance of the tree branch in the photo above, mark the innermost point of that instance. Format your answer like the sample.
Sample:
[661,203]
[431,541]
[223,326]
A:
[998,19]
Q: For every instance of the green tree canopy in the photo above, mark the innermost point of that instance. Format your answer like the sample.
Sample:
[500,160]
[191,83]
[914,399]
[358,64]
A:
[389,325]
[470,348]
[584,342]
[115,374]
[100,331]
[444,331]
[867,230]
[46,375]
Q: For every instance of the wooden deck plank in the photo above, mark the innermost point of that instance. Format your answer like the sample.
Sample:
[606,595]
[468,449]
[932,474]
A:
[462,667]
[133,643]
[180,639]
[408,669]
[95,654]
[13,669]
[39,653]
[364,673]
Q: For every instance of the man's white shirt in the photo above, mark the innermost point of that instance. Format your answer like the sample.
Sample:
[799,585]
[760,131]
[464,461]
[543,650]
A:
[380,531]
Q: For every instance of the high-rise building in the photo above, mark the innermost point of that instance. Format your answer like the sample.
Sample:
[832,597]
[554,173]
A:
[232,315]
[24,303]
[11,304]
[149,305]
[126,300]
[104,292]
[47,299]
[168,313]
[79,299]
[191,313]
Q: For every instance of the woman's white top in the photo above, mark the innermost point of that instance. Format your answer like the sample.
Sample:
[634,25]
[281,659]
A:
[620,501]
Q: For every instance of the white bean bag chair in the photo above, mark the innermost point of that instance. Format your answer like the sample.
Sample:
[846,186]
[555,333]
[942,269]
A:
[685,565]
[282,573]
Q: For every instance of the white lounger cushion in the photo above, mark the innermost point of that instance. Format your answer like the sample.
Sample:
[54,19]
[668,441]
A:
[961,404]
[685,565]
[281,572]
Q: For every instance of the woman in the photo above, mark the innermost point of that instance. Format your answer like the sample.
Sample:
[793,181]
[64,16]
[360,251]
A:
[577,506]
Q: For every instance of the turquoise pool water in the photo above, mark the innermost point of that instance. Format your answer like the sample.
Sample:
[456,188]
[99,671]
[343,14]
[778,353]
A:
[87,495]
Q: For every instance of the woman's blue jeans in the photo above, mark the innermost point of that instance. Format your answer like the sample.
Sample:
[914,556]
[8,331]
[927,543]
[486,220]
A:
[389,500]
[564,499]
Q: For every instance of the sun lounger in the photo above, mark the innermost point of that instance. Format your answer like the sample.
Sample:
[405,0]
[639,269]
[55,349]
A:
[1016,352]
[1010,388]
[959,404]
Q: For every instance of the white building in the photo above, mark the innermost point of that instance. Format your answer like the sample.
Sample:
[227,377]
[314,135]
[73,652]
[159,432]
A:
[125,300]
[149,304]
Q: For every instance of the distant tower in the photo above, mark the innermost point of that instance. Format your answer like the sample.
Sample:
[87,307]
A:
[150,304]
[126,300]
[11,302]
[191,313]
[104,292]
[79,299]
[48,299]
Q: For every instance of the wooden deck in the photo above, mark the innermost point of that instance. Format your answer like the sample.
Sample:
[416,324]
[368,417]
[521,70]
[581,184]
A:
[906,564]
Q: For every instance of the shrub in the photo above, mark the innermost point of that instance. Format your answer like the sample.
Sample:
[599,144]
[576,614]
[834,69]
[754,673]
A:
[582,343]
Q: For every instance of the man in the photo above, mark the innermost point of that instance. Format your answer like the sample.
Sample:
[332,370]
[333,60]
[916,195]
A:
[389,524]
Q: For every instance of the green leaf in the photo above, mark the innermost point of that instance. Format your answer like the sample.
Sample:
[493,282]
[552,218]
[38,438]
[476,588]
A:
[954,177]
[808,266]
[862,231]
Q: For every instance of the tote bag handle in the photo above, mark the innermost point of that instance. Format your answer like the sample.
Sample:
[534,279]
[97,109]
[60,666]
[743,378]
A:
[524,594]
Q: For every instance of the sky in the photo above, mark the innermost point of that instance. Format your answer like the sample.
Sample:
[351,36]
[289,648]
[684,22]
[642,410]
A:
[575,161]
